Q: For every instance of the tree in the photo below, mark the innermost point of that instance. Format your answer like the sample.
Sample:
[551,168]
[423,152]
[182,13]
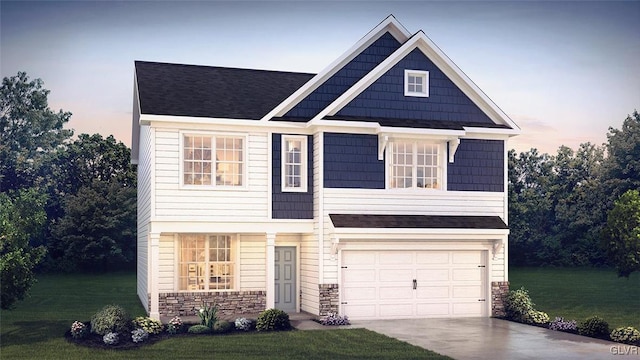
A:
[621,236]
[28,130]
[98,229]
[21,218]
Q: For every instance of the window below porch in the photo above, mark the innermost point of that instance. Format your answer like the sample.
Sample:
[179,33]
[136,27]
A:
[206,262]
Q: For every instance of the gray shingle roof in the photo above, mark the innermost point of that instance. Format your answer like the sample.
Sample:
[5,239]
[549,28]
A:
[207,91]
[416,221]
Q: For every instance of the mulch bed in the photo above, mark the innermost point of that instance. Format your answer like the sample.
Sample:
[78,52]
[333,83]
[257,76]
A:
[95,341]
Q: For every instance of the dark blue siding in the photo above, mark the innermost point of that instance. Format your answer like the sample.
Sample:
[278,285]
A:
[385,97]
[478,166]
[290,205]
[351,161]
[345,77]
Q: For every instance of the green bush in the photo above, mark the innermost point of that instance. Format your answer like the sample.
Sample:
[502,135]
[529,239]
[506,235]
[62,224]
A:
[518,306]
[538,317]
[151,326]
[273,319]
[111,318]
[594,327]
[222,326]
[627,335]
[199,329]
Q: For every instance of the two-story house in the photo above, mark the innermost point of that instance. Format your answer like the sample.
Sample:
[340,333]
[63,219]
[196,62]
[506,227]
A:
[375,188]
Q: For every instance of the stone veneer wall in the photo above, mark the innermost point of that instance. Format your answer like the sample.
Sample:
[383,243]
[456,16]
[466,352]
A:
[329,298]
[499,291]
[229,303]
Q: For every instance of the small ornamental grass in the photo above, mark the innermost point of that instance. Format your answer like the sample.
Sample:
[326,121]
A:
[111,338]
[139,335]
[560,324]
[627,335]
[208,315]
[175,325]
[79,330]
[151,326]
[335,319]
[244,324]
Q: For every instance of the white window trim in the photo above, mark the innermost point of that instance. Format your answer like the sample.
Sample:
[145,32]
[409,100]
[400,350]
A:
[213,185]
[420,73]
[303,163]
[442,159]
[235,255]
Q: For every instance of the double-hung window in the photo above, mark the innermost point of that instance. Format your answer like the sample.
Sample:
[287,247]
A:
[217,160]
[206,262]
[416,83]
[294,163]
[415,164]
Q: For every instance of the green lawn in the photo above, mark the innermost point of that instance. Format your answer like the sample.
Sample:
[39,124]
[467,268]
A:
[34,330]
[577,293]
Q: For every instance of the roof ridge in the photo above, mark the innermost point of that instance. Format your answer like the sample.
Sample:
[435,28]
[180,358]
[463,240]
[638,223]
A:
[219,67]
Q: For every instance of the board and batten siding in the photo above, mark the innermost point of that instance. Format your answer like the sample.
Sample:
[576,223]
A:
[176,202]
[380,201]
[144,213]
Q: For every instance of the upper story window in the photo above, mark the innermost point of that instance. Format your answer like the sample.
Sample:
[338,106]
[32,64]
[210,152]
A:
[206,262]
[415,164]
[294,163]
[217,160]
[416,83]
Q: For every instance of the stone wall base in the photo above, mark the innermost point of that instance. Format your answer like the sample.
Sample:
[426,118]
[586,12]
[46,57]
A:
[329,298]
[229,303]
[499,291]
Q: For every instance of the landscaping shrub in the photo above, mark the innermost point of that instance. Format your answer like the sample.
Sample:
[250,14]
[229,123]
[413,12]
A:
[79,330]
[273,319]
[627,335]
[560,324]
[594,327]
[199,329]
[139,335]
[208,315]
[335,319]
[110,338]
[244,324]
[222,326]
[518,305]
[151,326]
[175,325]
[537,317]
[111,318]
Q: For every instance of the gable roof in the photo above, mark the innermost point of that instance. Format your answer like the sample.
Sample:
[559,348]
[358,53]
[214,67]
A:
[215,92]
[416,221]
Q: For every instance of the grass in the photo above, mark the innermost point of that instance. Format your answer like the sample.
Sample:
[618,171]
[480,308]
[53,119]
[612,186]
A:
[35,329]
[577,293]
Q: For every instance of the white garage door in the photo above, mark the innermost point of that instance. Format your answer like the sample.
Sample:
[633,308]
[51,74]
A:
[413,284]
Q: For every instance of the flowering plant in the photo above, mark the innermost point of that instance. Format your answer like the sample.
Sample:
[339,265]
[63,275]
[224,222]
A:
[79,330]
[175,325]
[243,324]
[208,315]
[110,338]
[335,319]
[139,335]
[560,324]
[627,335]
[152,326]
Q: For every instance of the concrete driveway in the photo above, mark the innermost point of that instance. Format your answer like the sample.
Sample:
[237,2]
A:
[488,338]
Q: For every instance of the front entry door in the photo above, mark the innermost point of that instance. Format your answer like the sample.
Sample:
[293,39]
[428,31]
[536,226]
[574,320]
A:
[285,277]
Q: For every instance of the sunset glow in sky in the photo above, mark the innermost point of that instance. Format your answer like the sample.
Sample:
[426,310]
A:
[563,71]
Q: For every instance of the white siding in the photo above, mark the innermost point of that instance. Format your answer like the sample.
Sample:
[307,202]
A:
[144,213]
[174,202]
[167,263]
[497,266]
[309,274]
[253,259]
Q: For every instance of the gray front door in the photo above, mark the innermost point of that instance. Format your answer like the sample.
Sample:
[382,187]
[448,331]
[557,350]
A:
[285,276]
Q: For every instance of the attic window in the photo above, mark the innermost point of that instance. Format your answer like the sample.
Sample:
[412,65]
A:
[416,83]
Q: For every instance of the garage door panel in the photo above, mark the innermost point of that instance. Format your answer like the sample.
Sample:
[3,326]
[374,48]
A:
[380,284]
[395,275]
[396,258]
[423,275]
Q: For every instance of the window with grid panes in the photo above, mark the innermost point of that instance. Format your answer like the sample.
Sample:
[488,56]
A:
[206,262]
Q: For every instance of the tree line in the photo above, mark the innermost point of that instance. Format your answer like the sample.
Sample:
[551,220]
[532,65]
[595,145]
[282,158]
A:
[65,204]
[578,208]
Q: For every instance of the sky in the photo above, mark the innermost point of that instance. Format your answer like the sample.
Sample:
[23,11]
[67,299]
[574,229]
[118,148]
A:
[563,71]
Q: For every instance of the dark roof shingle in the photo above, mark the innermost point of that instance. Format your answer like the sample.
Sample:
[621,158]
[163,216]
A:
[207,91]
[416,221]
